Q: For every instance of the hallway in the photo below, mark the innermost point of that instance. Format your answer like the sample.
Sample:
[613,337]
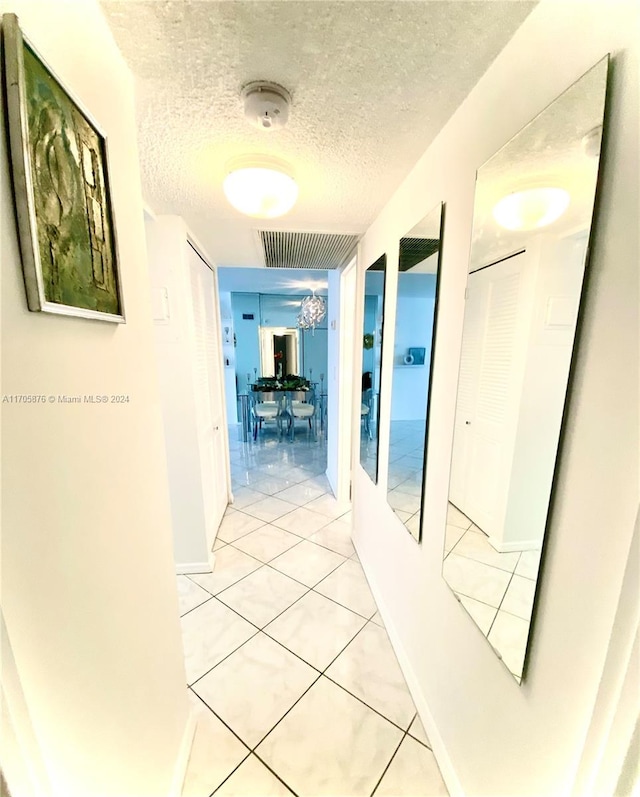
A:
[295,684]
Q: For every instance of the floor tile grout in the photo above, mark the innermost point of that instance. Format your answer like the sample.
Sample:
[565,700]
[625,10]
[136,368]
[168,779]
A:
[204,703]
[364,703]
[206,600]
[230,653]
[273,772]
[389,764]
[308,588]
[264,456]
[269,564]
[214,594]
[320,672]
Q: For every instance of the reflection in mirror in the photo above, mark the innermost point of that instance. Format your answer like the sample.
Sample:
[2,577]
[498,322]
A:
[418,269]
[532,218]
[371,360]
[279,348]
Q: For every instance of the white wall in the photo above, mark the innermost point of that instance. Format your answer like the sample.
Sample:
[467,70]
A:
[229,358]
[493,737]
[88,591]
[247,337]
[22,762]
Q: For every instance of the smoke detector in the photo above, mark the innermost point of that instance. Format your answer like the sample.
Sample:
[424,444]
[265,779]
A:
[266,105]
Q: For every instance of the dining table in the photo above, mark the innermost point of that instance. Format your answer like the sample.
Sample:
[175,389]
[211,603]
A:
[245,411]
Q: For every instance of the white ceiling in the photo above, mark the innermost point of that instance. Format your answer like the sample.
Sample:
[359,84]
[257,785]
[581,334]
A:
[372,84]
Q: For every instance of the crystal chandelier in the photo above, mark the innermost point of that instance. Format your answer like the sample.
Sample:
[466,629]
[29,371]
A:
[312,310]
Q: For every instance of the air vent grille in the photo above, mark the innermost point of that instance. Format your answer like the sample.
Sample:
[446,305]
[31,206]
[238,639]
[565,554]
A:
[415,250]
[306,249]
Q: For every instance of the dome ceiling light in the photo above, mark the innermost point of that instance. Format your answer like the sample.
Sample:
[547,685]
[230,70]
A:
[261,186]
[531,209]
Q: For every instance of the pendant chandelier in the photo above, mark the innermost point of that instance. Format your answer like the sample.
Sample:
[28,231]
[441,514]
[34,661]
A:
[312,311]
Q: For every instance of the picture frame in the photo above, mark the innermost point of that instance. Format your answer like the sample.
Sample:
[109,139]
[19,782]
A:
[60,173]
[417,354]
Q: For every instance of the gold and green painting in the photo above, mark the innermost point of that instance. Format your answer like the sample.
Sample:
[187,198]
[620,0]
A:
[61,190]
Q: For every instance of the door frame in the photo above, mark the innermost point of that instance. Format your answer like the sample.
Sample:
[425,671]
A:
[218,364]
[346,371]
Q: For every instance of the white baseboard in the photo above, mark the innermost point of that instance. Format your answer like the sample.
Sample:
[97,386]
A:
[193,567]
[182,761]
[510,547]
[449,774]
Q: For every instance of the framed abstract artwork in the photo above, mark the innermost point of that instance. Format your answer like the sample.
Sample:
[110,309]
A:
[61,189]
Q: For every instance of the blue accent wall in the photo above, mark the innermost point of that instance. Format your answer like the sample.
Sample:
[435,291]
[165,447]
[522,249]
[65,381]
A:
[274,310]
[247,337]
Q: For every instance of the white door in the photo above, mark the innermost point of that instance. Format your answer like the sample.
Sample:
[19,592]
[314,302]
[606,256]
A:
[498,314]
[209,397]
[341,342]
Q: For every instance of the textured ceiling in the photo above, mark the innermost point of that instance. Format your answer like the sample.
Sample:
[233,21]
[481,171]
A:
[372,84]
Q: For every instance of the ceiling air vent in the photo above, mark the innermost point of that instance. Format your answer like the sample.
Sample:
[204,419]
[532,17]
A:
[306,249]
[415,250]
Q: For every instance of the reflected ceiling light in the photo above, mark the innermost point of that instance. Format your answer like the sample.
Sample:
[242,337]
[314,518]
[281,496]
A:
[530,209]
[260,187]
[300,285]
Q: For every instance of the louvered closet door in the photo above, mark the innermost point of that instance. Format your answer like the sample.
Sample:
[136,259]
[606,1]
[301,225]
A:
[498,318]
[208,395]
[474,312]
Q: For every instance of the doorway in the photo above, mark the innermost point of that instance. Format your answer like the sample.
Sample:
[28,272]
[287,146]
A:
[340,367]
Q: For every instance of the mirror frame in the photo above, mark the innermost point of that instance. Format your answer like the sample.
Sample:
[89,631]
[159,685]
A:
[382,259]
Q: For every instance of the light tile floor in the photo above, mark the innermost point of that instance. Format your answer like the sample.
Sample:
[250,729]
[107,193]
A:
[406,462]
[496,589]
[295,683]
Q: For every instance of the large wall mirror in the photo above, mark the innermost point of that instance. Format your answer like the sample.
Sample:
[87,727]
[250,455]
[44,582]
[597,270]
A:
[416,302]
[279,347]
[371,361]
[532,219]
